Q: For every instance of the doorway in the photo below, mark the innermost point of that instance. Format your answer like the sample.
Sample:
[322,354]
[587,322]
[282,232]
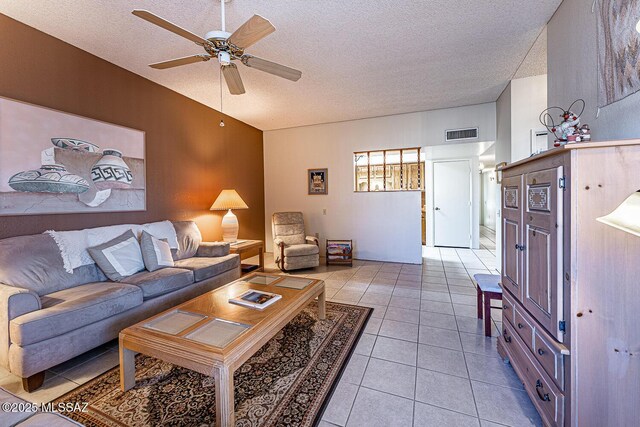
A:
[488,212]
[452,203]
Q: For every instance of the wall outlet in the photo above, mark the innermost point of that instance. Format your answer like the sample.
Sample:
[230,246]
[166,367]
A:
[324,211]
[317,235]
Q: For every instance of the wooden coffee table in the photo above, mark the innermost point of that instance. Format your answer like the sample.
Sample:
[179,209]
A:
[214,337]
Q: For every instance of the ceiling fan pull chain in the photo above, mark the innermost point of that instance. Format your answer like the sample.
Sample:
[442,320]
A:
[220,78]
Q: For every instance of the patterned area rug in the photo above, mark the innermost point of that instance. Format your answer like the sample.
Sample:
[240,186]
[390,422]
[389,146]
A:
[286,383]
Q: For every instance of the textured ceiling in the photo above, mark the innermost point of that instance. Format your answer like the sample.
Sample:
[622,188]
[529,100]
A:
[535,63]
[359,58]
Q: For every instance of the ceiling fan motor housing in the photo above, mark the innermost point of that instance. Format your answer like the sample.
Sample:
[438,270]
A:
[217,35]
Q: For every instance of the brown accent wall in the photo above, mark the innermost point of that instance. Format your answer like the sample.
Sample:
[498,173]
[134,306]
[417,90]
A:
[189,157]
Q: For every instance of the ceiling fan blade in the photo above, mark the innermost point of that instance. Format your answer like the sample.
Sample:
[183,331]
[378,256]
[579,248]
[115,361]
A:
[179,61]
[161,22]
[271,68]
[255,29]
[232,77]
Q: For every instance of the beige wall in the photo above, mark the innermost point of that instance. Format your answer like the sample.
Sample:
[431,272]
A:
[384,226]
[189,158]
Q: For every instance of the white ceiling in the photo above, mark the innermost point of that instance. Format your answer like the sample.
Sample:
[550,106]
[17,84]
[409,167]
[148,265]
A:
[359,58]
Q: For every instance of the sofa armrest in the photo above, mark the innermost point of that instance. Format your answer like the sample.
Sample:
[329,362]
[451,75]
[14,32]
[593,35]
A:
[213,249]
[14,302]
[278,243]
[313,240]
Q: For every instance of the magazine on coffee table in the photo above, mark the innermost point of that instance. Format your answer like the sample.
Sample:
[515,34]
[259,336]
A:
[255,299]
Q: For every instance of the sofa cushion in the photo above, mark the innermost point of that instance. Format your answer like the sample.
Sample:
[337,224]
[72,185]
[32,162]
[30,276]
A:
[34,263]
[69,309]
[301,250]
[205,267]
[156,253]
[120,257]
[189,238]
[213,249]
[160,282]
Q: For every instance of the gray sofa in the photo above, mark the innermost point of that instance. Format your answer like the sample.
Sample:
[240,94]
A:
[48,316]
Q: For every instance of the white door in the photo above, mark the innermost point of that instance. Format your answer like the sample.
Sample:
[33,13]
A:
[452,203]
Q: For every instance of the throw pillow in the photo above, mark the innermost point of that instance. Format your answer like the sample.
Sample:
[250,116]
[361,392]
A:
[156,253]
[120,257]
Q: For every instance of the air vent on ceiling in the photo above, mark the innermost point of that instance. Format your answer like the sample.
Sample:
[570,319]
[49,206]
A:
[460,134]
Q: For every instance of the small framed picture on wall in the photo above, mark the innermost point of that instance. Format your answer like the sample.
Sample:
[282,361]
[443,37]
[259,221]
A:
[318,181]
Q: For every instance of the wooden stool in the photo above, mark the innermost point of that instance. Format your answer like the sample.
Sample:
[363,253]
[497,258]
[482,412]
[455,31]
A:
[488,289]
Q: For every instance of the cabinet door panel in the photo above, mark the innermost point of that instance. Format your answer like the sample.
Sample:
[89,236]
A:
[539,281]
[512,235]
[511,255]
[542,284]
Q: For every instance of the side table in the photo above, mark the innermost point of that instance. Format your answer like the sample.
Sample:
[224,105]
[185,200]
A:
[247,249]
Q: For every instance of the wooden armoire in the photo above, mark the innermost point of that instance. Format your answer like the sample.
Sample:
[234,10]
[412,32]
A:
[571,284]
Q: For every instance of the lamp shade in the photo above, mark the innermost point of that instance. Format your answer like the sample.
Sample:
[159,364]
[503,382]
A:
[228,199]
[625,217]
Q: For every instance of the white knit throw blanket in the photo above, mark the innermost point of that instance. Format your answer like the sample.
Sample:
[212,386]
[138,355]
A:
[73,244]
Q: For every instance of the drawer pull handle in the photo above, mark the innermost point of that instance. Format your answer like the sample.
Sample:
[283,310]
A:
[520,326]
[543,396]
[505,306]
[540,351]
[506,337]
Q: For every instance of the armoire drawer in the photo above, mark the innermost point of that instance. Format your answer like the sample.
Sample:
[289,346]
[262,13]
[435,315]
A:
[550,355]
[524,326]
[547,398]
[508,307]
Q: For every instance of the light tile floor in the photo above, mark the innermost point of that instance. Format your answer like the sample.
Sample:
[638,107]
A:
[422,361]
[488,239]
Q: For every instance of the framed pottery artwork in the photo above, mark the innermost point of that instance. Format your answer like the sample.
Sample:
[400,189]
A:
[318,181]
[53,162]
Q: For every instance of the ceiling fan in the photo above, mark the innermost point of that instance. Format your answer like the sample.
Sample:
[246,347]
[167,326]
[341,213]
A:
[226,47]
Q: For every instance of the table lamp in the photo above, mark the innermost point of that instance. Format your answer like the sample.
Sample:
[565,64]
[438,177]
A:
[625,217]
[227,200]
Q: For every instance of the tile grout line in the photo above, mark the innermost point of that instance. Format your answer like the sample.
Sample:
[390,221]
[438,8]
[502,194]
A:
[475,403]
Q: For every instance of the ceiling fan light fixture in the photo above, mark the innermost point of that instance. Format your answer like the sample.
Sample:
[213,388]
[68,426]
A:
[224,58]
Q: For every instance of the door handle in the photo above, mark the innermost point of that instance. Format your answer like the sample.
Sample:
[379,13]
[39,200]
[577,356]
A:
[437,209]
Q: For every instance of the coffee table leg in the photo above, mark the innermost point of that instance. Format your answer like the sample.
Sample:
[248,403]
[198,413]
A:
[127,368]
[224,397]
[322,310]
